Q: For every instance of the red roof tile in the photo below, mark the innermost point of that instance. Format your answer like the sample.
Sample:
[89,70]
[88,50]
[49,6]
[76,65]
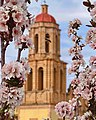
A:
[44,17]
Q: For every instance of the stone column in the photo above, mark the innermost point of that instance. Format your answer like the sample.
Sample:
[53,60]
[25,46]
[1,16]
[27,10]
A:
[52,41]
[35,78]
[43,40]
[58,77]
[32,36]
[49,74]
[58,42]
[52,75]
[46,74]
[39,40]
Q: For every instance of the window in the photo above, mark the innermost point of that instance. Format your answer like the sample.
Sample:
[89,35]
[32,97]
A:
[36,43]
[47,40]
[47,47]
[29,81]
[40,78]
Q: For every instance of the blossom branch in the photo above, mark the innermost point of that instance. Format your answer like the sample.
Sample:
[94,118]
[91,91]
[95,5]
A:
[14,19]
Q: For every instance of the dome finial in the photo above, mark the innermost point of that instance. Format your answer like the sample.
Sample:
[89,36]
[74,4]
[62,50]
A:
[44,7]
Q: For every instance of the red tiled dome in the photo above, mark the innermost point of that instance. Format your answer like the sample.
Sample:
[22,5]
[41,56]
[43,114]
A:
[45,17]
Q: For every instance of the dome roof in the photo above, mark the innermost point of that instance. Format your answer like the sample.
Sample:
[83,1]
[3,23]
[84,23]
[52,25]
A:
[44,16]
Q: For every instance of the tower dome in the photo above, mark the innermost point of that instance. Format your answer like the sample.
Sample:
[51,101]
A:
[44,16]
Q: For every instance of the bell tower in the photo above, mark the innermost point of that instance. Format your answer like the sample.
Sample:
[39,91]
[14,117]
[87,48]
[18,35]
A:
[46,84]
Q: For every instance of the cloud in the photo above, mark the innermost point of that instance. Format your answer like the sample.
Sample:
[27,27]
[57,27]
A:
[63,10]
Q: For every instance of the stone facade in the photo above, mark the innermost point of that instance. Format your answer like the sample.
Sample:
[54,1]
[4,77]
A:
[46,84]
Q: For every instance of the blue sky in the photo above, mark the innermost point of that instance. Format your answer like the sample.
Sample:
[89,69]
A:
[63,11]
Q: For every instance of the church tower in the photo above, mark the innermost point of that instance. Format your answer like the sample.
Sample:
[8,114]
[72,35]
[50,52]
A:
[46,84]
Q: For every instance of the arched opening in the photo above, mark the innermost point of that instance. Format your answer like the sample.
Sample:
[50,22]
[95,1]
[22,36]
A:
[36,43]
[61,80]
[55,80]
[47,40]
[40,78]
[47,46]
[56,44]
[29,81]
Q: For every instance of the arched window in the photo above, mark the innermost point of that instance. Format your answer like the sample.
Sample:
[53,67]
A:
[56,44]
[47,40]
[55,80]
[29,81]
[40,78]
[61,80]
[36,43]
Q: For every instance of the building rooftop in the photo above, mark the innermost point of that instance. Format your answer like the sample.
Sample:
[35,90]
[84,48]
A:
[44,16]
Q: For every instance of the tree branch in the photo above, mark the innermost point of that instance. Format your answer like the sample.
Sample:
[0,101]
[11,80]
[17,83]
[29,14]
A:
[2,52]
[1,2]
[19,54]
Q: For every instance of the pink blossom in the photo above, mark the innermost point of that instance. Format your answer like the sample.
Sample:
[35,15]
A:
[94,92]
[12,70]
[63,109]
[84,83]
[86,94]
[17,44]
[77,91]
[14,2]
[29,43]
[77,21]
[74,22]
[4,14]
[75,82]
[7,1]
[93,13]
[13,96]
[27,40]
[18,17]
[93,45]
[16,32]
[14,19]
[72,70]
[78,63]
[75,49]
[93,61]
[70,32]
[74,38]
[75,65]
[92,74]
[3,27]
[91,36]
[74,103]
[3,93]
[24,62]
